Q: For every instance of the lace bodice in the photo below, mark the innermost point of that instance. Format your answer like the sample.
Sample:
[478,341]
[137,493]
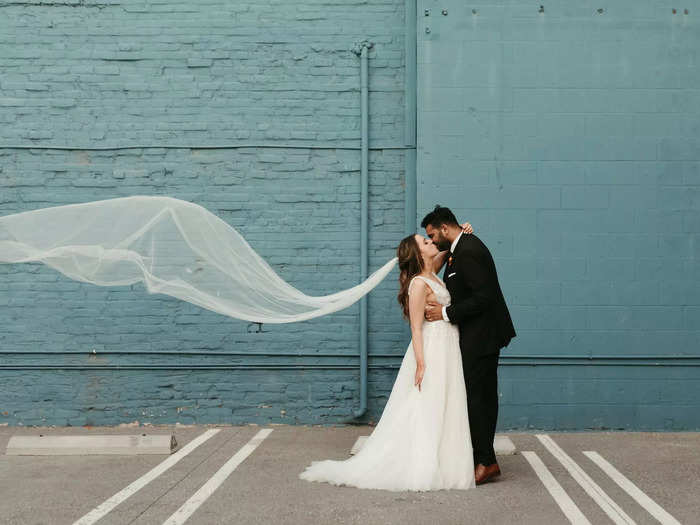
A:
[441,293]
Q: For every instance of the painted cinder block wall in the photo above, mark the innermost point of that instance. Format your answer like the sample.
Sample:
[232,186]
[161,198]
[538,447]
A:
[569,138]
[569,134]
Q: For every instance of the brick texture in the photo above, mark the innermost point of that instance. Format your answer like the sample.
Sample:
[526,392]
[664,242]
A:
[276,86]
[569,138]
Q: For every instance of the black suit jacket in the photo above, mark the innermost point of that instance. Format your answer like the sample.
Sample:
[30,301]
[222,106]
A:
[477,306]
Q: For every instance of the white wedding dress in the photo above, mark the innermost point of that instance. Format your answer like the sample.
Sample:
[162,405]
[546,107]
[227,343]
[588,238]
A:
[422,441]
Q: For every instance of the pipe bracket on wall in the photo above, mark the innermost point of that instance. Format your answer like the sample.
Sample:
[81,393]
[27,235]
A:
[359,46]
[260,330]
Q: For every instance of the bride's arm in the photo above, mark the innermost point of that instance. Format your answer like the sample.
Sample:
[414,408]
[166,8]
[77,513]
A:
[439,260]
[416,309]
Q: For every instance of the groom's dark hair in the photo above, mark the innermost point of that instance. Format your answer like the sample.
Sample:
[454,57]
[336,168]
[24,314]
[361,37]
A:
[439,216]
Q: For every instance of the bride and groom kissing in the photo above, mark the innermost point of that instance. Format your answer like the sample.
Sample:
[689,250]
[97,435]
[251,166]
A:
[438,425]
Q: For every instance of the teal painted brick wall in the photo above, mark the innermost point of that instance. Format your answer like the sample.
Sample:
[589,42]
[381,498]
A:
[276,77]
[570,138]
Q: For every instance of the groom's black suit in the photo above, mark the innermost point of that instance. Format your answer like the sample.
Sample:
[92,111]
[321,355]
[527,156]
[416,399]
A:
[485,326]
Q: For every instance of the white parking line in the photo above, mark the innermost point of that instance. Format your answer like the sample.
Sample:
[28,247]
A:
[604,501]
[108,505]
[645,501]
[182,514]
[566,504]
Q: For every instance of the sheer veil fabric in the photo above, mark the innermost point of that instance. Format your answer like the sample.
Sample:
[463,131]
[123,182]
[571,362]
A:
[175,247]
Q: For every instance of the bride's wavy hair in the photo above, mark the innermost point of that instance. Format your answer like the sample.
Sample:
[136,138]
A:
[410,265]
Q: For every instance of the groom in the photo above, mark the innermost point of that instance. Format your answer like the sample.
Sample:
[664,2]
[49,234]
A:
[485,326]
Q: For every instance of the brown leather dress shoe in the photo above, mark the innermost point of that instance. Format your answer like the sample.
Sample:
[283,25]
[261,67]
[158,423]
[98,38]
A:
[484,473]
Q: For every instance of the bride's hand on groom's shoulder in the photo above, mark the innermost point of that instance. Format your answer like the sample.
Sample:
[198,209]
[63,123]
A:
[467,228]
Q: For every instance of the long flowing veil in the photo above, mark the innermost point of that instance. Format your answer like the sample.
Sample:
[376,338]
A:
[175,247]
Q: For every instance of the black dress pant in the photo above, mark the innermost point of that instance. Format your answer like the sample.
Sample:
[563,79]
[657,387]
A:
[481,378]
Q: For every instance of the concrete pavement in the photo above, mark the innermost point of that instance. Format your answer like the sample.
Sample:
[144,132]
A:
[236,474]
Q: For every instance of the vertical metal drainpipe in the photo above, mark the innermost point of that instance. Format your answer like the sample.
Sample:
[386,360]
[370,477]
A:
[362,50]
[410,72]
[410,199]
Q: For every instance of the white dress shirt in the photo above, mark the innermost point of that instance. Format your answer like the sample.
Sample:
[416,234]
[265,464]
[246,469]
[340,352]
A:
[452,250]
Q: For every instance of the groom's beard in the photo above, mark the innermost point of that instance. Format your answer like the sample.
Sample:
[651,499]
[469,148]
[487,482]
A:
[443,244]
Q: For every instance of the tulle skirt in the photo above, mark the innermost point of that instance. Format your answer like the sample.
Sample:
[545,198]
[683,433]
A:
[422,440]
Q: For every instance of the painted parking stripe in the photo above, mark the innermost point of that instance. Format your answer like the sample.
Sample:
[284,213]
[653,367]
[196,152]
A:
[566,504]
[645,501]
[108,505]
[604,501]
[183,513]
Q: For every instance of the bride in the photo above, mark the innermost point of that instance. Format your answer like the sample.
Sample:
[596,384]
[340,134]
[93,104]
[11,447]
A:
[422,441]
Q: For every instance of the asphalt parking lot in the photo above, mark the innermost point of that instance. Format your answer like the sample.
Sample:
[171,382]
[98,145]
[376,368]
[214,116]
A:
[248,474]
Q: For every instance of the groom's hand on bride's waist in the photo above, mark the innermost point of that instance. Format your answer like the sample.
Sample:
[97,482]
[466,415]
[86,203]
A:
[433,311]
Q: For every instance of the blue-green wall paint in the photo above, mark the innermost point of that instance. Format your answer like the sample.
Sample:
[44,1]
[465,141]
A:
[278,79]
[569,138]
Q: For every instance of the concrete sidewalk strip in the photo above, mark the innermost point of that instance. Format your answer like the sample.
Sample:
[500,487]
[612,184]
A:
[566,504]
[640,497]
[119,497]
[182,514]
[594,490]
[79,445]
[503,445]
[359,443]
